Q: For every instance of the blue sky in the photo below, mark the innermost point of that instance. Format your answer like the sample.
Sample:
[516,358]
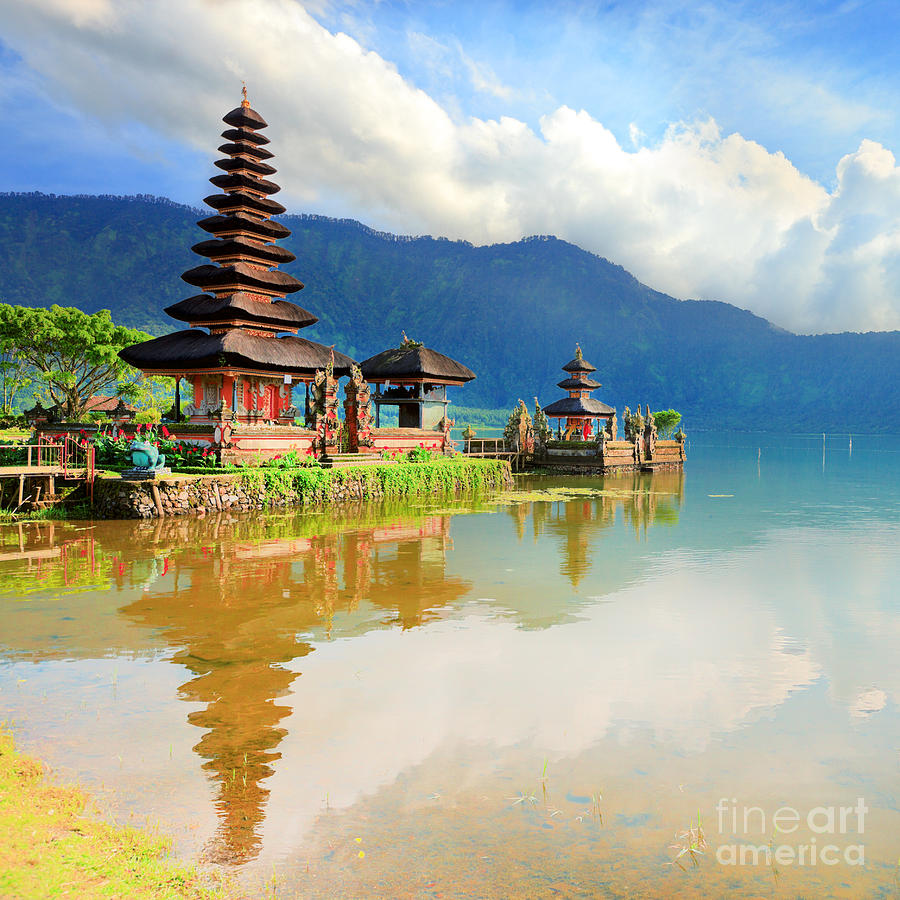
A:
[734,151]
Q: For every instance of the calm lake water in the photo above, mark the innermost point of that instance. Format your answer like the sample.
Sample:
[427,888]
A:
[534,697]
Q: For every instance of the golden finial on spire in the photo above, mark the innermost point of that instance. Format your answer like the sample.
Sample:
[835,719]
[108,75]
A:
[245,102]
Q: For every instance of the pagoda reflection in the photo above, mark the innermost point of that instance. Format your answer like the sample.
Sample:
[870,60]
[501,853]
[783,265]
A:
[244,610]
[644,500]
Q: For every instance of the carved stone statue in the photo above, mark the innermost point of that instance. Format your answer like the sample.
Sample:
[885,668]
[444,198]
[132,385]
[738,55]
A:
[445,426]
[519,432]
[358,410]
[526,430]
[612,426]
[317,392]
[637,423]
[325,407]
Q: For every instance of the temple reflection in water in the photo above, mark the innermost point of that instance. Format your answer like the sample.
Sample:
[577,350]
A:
[641,501]
[244,611]
[242,599]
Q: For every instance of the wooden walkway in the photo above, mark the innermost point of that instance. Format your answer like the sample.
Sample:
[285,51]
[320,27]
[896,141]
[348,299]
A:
[494,448]
[67,460]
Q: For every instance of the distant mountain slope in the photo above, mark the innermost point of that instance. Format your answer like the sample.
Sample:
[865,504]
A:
[512,312]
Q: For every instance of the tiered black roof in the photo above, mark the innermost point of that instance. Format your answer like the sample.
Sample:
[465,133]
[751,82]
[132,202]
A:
[574,384]
[241,307]
[245,117]
[247,149]
[578,405]
[242,284]
[195,350]
[242,223]
[240,201]
[237,164]
[579,363]
[240,135]
[246,249]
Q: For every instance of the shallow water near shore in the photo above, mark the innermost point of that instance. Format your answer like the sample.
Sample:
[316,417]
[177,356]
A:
[550,693]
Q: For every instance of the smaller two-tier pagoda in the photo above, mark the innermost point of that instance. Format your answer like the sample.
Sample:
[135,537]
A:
[243,367]
[579,408]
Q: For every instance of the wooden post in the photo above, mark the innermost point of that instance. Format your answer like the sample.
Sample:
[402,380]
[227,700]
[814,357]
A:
[157,500]
[21,489]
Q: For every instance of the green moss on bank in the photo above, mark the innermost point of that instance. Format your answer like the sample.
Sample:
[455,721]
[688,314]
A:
[50,848]
[440,475]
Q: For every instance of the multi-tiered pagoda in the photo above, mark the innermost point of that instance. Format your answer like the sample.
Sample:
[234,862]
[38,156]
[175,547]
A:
[579,407]
[244,366]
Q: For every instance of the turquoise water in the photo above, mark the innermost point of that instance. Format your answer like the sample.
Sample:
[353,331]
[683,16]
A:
[535,696]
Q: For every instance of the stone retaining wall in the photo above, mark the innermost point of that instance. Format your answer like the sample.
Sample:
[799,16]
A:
[179,495]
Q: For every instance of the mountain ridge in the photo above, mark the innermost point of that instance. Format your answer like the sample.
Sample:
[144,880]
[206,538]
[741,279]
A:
[512,312]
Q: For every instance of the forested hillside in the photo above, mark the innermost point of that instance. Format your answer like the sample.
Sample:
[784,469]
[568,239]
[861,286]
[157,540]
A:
[511,312]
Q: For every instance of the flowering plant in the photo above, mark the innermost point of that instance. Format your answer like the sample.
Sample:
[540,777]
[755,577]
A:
[112,446]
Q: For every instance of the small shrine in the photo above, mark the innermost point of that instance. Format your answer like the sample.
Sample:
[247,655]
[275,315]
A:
[243,367]
[584,415]
[414,379]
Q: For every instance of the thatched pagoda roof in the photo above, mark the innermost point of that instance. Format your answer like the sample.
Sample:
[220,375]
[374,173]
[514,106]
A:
[241,135]
[242,276]
[235,181]
[236,163]
[241,200]
[574,384]
[234,148]
[244,248]
[241,307]
[245,117]
[265,228]
[193,350]
[579,364]
[414,362]
[249,312]
[586,407]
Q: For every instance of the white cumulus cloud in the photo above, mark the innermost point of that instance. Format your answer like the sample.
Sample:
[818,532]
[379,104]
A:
[697,214]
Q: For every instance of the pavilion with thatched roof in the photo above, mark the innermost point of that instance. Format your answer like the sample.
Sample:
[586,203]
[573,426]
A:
[414,379]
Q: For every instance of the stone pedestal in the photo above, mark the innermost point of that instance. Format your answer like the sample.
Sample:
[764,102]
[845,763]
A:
[142,474]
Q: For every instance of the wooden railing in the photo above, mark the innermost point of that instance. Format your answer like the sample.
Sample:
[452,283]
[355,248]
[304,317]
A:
[66,456]
[485,446]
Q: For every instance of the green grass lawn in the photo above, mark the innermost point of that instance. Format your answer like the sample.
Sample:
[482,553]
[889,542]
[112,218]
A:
[51,846]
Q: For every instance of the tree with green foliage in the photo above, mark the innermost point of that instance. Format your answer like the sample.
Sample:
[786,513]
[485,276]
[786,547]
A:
[15,373]
[151,396]
[73,352]
[542,430]
[667,420]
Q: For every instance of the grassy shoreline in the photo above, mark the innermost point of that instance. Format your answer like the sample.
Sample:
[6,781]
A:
[52,846]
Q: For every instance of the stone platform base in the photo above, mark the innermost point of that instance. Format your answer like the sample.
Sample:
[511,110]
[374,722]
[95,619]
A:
[145,474]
